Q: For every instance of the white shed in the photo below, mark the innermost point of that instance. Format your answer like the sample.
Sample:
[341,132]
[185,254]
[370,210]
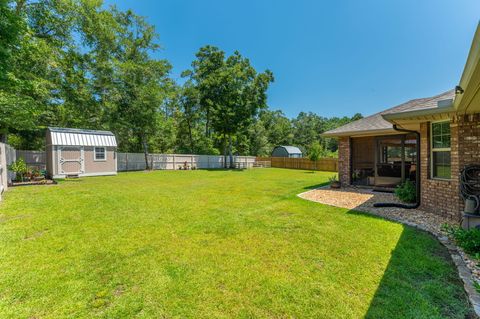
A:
[78,152]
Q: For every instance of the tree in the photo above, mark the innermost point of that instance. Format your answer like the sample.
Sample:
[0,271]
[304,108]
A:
[315,152]
[230,91]
[142,81]
[278,127]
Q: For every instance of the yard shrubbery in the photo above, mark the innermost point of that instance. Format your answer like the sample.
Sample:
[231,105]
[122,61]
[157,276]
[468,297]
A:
[406,192]
[469,240]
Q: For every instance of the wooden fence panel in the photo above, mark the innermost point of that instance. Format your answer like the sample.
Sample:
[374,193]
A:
[33,159]
[323,164]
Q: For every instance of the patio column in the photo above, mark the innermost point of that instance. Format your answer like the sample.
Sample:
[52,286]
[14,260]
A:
[344,160]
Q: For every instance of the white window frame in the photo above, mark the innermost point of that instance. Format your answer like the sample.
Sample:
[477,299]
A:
[95,154]
[443,149]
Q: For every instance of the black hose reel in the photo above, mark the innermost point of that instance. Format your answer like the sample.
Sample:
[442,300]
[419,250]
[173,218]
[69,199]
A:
[470,188]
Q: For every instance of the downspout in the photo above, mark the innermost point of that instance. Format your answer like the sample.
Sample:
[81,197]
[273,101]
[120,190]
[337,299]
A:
[417,175]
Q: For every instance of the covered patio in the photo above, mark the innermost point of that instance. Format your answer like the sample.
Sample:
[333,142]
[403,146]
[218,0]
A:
[383,162]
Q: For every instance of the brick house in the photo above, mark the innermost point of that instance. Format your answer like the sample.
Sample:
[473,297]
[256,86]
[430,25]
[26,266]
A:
[427,140]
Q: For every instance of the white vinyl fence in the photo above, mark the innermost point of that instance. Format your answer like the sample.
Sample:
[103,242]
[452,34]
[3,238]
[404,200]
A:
[136,161]
[7,157]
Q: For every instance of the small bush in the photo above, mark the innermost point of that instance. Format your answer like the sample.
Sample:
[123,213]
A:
[469,240]
[406,192]
[19,168]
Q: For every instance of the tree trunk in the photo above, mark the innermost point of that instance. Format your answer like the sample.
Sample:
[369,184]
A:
[224,151]
[230,151]
[3,138]
[207,124]
[145,151]
[190,136]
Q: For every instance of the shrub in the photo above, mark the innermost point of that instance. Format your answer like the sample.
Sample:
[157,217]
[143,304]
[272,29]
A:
[20,168]
[406,192]
[469,240]
[315,151]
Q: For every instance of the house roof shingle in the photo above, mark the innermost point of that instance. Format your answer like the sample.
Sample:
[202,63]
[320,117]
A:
[376,122]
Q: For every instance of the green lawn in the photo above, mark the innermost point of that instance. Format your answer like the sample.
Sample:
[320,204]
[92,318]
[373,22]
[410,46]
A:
[212,244]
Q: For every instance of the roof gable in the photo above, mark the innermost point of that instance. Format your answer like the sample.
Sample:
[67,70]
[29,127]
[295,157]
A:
[375,123]
[291,149]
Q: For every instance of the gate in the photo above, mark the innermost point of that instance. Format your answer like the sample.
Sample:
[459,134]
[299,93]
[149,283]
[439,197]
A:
[71,160]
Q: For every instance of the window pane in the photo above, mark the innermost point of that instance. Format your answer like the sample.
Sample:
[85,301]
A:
[436,129]
[446,128]
[441,164]
[441,135]
[437,141]
[445,141]
[99,153]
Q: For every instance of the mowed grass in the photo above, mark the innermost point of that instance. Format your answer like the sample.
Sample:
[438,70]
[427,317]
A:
[212,244]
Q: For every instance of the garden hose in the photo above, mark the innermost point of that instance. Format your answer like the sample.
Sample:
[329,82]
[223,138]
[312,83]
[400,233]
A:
[470,184]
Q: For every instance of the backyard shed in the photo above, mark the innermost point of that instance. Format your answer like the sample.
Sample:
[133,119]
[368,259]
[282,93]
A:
[287,151]
[78,152]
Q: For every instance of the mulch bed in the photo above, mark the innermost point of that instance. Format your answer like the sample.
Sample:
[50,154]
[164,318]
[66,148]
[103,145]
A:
[41,182]
[361,199]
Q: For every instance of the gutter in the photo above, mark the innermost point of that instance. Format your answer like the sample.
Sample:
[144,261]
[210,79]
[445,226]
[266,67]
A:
[372,132]
[445,106]
[417,175]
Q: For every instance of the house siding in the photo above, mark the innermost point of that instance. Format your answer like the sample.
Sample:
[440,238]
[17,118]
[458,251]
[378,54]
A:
[440,196]
[92,166]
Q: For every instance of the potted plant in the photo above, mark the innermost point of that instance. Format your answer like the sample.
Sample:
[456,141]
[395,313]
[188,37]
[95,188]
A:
[334,182]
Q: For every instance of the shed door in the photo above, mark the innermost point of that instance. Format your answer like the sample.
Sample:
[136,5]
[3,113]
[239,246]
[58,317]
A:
[71,160]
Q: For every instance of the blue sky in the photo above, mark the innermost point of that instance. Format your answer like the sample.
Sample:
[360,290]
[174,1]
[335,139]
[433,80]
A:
[333,58]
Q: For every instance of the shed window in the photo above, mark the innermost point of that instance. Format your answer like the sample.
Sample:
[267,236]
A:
[100,154]
[440,147]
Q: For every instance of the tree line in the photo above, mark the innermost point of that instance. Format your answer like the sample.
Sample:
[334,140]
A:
[76,63]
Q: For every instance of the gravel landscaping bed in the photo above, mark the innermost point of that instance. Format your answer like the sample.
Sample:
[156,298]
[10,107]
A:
[361,199]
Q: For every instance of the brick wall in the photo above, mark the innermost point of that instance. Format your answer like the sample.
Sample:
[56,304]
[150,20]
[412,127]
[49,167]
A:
[443,197]
[438,196]
[468,127]
[344,160]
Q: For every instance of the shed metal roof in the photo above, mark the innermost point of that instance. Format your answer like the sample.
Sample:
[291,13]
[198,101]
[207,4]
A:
[291,149]
[80,137]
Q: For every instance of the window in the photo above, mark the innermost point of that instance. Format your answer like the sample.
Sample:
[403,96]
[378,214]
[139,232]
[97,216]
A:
[440,146]
[100,154]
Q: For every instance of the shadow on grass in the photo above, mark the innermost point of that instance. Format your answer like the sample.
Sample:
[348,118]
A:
[420,281]
[222,169]
[316,186]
